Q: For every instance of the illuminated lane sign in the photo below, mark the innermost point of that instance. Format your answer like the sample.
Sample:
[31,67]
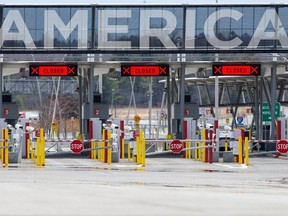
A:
[53,70]
[230,69]
[145,70]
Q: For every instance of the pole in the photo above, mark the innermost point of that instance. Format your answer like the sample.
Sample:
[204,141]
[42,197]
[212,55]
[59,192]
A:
[150,105]
[216,92]
[112,102]
[182,97]
[256,108]
[273,98]
[168,95]
[91,92]
[80,102]
[246,151]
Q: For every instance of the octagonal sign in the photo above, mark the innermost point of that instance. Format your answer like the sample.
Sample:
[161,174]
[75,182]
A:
[176,146]
[282,146]
[76,146]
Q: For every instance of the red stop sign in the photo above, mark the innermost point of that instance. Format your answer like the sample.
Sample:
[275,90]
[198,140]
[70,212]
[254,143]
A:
[176,146]
[76,146]
[282,146]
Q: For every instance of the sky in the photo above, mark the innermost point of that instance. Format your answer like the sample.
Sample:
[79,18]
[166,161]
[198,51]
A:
[137,1]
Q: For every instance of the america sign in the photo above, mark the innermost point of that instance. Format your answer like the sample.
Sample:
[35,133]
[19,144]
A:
[144,28]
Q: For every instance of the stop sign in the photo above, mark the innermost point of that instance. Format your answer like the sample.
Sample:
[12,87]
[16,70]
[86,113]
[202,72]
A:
[76,146]
[282,146]
[176,146]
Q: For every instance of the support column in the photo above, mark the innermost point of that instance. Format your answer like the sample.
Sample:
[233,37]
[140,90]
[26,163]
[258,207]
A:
[260,108]
[182,98]
[256,116]
[80,101]
[168,95]
[91,90]
[273,100]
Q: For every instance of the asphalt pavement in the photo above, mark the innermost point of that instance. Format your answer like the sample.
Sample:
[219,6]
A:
[165,186]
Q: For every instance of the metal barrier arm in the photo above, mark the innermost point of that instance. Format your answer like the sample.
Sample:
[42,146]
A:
[97,148]
[184,149]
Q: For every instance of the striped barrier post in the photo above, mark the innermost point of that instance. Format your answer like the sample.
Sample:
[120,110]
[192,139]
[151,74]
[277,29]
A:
[203,155]
[4,149]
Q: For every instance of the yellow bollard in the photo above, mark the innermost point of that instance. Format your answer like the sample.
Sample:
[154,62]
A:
[137,151]
[246,151]
[143,148]
[189,151]
[38,152]
[42,147]
[240,150]
[109,159]
[226,146]
[32,151]
[3,145]
[123,148]
[92,149]
[102,152]
[197,153]
[128,151]
[6,155]
[1,150]
[203,155]
[28,149]
[99,151]
[5,150]
[109,153]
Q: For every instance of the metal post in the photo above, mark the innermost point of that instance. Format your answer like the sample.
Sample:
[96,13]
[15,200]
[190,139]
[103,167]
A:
[112,102]
[260,107]
[273,99]
[216,92]
[168,105]
[150,104]
[80,101]
[182,97]
[91,90]
[256,116]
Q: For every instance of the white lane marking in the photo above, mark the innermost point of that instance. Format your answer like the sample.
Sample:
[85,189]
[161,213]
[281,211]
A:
[235,166]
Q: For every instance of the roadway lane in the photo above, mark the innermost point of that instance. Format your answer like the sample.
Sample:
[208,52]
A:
[166,186]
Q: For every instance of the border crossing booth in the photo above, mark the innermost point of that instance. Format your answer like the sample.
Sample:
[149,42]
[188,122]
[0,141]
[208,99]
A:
[100,111]
[191,110]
